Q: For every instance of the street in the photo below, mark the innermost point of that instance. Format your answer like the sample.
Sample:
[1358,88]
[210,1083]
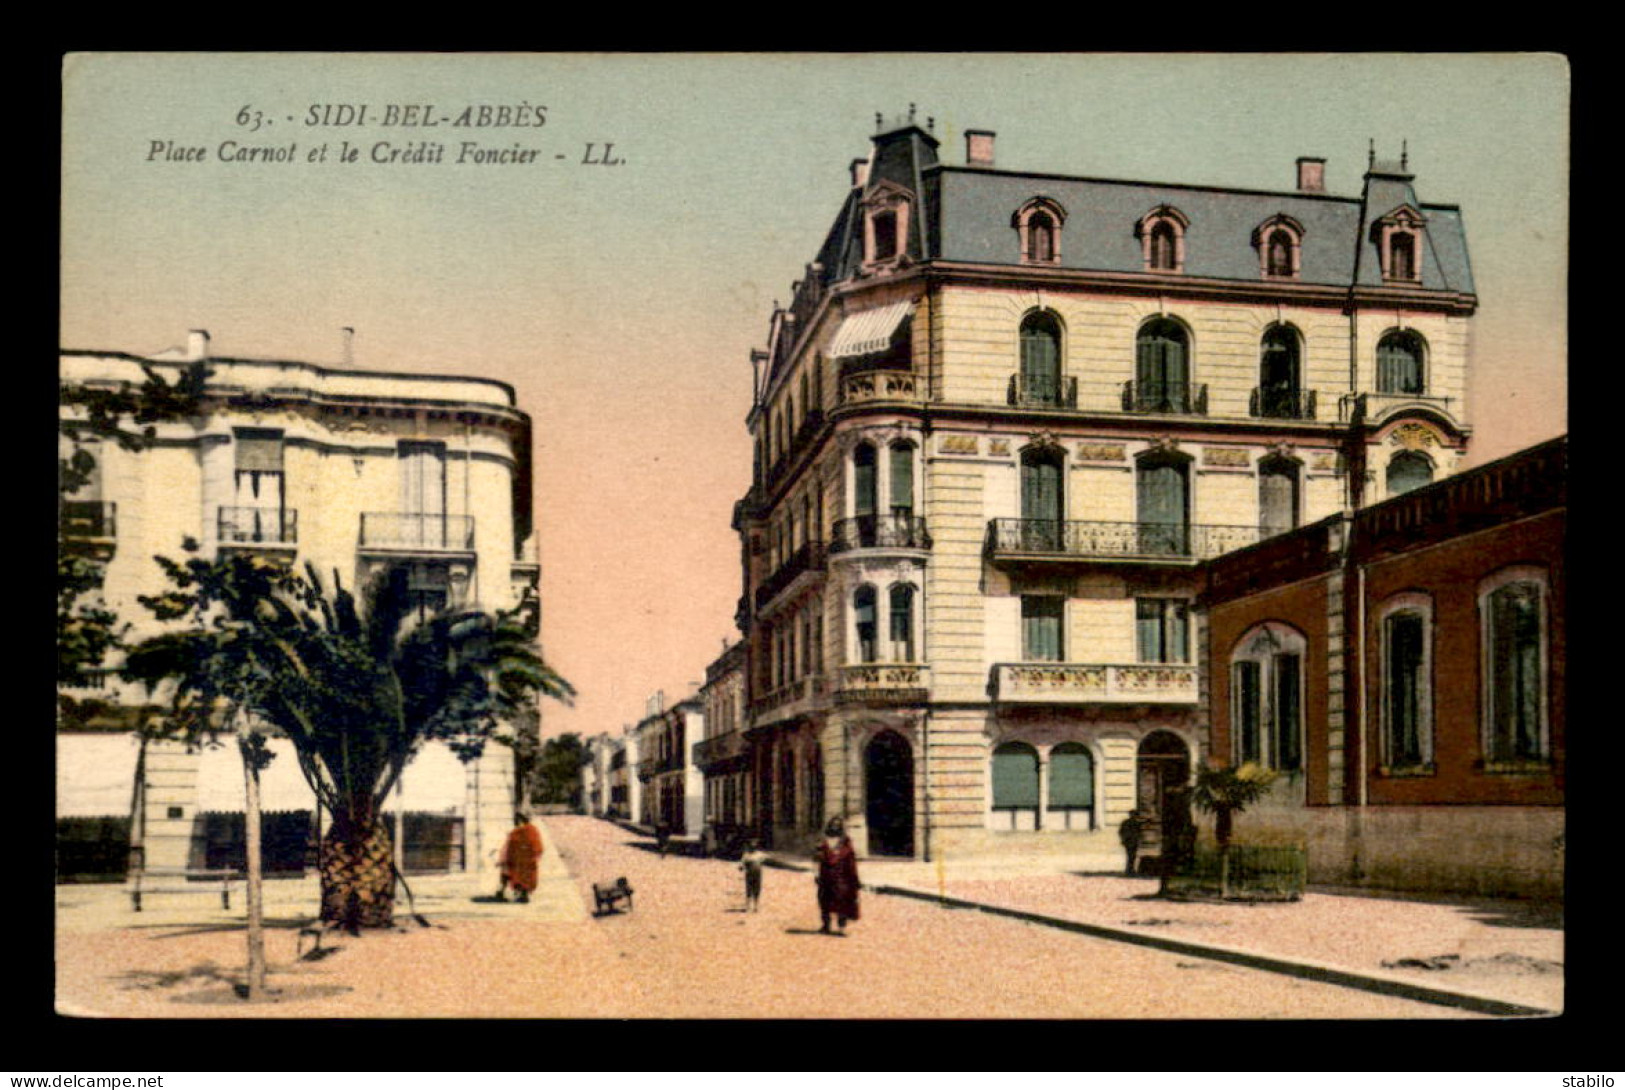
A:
[687,950]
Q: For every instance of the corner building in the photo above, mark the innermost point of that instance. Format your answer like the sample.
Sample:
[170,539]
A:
[1004,418]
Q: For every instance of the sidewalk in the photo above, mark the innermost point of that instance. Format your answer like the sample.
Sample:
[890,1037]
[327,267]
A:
[1500,957]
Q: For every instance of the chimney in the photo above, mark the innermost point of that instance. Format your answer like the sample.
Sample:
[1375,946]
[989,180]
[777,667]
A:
[1311,175]
[860,173]
[978,148]
[197,344]
[349,345]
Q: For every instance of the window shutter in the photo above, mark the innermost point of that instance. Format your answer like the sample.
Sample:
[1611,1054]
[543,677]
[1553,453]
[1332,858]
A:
[259,451]
[1288,746]
[1071,777]
[1244,698]
[1015,777]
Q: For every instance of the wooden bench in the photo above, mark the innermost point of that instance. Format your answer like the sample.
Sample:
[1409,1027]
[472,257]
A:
[185,880]
[610,894]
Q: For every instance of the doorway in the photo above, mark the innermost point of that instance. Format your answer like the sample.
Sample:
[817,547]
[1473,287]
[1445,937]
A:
[1162,767]
[888,787]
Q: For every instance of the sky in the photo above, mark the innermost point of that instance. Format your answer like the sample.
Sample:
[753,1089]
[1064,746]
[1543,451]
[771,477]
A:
[618,253]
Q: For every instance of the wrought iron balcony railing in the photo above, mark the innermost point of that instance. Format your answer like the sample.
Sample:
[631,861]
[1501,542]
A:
[1089,683]
[1371,407]
[87,519]
[407,530]
[718,748]
[1151,541]
[1059,392]
[1165,397]
[1281,403]
[259,526]
[880,532]
[808,558]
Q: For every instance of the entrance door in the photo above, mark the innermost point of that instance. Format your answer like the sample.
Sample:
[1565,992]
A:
[1163,766]
[888,787]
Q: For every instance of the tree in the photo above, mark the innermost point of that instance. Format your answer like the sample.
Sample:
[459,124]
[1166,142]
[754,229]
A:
[86,629]
[558,770]
[1224,793]
[356,690]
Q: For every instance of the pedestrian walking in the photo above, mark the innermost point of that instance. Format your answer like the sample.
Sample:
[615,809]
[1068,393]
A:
[751,863]
[837,876]
[1129,833]
[521,855]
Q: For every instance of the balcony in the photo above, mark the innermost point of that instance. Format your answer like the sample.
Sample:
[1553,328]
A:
[722,747]
[259,526]
[788,700]
[809,558]
[1028,540]
[1275,403]
[1372,408]
[87,520]
[880,532]
[1091,683]
[417,532]
[883,683]
[865,386]
[1030,392]
[1178,398]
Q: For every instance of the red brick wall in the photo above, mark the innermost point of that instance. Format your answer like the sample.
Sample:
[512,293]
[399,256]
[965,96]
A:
[1303,607]
[1451,573]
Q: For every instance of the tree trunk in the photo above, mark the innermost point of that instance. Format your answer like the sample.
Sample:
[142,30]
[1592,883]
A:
[256,886]
[358,876]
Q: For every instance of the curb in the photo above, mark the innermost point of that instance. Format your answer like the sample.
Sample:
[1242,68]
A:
[1307,970]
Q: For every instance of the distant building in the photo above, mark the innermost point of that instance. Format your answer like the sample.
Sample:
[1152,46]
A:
[1001,422]
[1403,669]
[672,785]
[721,756]
[350,470]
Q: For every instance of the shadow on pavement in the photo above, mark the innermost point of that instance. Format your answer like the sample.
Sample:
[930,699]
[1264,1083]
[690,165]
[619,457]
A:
[1490,911]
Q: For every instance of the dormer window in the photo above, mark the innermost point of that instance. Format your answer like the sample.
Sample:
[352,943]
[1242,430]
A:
[1038,225]
[1398,236]
[1162,236]
[885,226]
[1279,242]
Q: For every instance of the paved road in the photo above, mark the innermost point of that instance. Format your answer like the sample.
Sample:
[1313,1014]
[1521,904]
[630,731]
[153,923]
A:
[687,950]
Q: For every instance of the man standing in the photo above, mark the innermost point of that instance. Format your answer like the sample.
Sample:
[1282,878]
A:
[520,858]
[1129,833]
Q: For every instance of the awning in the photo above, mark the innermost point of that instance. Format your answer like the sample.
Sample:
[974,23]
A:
[220,780]
[868,331]
[436,782]
[95,774]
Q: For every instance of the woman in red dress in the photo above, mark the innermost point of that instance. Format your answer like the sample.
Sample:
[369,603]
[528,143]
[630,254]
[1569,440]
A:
[520,858]
[837,876]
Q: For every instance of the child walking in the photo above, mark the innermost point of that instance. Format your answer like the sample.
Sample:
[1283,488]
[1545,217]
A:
[751,863]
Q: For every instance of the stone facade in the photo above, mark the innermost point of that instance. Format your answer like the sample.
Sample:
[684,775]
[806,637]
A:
[350,471]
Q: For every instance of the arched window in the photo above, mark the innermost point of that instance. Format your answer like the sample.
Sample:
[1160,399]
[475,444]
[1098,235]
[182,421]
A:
[1407,470]
[1162,486]
[1041,237]
[1266,697]
[1407,682]
[1042,500]
[1015,786]
[1038,226]
[1513,614]
[863,609]
[1162,368]
[1161,232]
[1280,253]
[1162,247]
[1278,374]
[902,623]
[1400,356]
[1277,495]
[1072,785]
[1040,380]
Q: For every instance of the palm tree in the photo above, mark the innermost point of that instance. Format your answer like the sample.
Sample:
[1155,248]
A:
[1224,793]
[356,691]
